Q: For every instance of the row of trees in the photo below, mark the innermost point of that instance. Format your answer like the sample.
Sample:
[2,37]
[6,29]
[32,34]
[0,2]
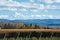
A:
[20,26]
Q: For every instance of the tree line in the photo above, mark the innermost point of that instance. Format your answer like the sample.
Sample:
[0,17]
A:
[21,26]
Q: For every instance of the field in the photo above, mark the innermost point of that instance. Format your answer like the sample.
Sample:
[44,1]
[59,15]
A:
[28,30]
[30,34]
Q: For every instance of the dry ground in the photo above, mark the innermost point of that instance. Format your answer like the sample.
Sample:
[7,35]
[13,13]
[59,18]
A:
[28,30]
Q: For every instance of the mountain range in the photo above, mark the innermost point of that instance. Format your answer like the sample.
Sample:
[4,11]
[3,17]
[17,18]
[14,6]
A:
[41,22]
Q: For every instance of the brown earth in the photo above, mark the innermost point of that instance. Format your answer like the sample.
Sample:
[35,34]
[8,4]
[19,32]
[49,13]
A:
[28,30]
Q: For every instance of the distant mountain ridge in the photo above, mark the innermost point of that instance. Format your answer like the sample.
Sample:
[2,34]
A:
[42,22]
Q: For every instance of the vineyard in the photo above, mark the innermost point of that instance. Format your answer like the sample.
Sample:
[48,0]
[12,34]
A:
[29,34]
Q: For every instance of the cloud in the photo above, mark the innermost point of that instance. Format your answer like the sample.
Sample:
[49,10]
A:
[58,1]
[50,7]
[15,6]
[51,1]
[48,1]
[43,17]
[10,0]
[41,7]
[56,17]
[9,3]
[3,16]
[31,1]
[3,0]
[34,10]
[23,9]
[20,16]
[27,5]
[31,6]
[50,16]
[35,17]
[8,8]
[38,16]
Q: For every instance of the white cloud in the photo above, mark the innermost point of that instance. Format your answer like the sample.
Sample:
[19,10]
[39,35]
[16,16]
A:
[41,7]
[13,5]
[38,15]
[34,7]
[46,10]
[9,8]
[3,16]
[58,1]
[34,10]
[48,1]
[29,5]
[10,0]
[39,0]
[41,17]
[10,3]
[44,15]
[52,7]
[3,0]
[56,17]
[51,1]
[25,17]
[23,9]
[50,16]
[31,1]
[34,17]
[20,16]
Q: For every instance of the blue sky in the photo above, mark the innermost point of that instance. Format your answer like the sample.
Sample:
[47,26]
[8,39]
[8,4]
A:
[29,9]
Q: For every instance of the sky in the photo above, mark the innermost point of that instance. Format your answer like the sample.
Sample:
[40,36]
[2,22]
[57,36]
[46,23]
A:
[29,9]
